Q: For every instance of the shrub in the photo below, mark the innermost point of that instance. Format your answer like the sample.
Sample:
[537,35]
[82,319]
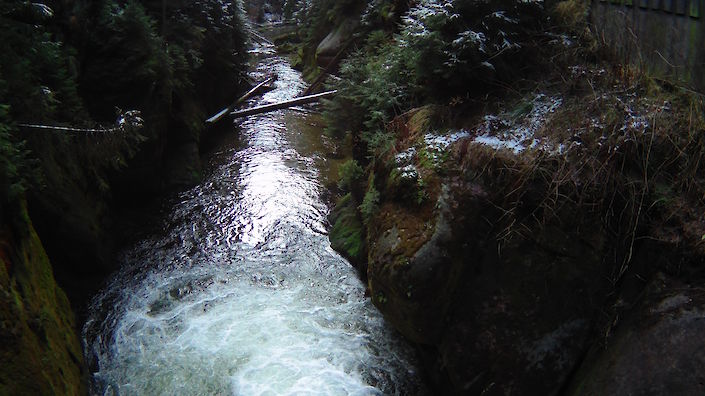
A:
[444,49]
[572,15]
[373,90]
[347,235]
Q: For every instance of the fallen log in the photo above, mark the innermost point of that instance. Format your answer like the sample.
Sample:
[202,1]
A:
[260,38]
[243,98]
[281,105]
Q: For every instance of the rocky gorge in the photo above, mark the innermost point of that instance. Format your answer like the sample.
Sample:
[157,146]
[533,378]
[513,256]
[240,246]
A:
[525,208]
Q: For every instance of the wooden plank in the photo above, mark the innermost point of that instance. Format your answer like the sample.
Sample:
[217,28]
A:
[243,98]
[695,9]
[281,105]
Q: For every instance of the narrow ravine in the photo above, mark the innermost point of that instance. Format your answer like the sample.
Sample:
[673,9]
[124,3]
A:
[240,292]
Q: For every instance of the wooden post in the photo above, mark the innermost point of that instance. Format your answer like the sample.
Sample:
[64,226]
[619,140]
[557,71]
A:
[281,105]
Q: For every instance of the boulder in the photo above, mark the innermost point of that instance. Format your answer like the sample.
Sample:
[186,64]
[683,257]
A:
[334,42]
[658,349]
[494,312]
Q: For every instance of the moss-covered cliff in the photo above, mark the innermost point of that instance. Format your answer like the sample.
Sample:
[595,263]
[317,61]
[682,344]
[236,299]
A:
[40,349]
[534,227]
[506,263]
[73,77]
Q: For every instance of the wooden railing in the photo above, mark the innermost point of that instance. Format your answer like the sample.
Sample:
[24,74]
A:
[691,8]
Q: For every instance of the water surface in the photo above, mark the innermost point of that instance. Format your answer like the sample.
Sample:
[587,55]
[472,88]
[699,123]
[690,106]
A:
[240,292]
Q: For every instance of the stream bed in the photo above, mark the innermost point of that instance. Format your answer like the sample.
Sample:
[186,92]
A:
[239,292]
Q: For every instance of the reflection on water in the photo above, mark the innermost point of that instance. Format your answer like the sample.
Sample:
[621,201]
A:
[241,292]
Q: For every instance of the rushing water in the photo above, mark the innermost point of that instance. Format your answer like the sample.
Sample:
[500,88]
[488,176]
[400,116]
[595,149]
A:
[240,293]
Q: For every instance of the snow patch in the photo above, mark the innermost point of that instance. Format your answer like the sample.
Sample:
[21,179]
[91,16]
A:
[518,134]
[442,142]
[405,157]
[409,172]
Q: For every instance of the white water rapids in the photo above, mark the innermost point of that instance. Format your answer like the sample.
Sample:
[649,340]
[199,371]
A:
[241,294]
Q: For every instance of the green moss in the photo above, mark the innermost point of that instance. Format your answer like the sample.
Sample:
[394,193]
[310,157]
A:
[349,175]
[421,121]
[41,353]
[347,234]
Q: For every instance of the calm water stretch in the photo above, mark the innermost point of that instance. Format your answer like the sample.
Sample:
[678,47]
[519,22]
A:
[241,293]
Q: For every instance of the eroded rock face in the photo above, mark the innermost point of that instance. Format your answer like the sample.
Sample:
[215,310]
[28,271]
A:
[522,317]
[507,265]
[413,269]
[659,349]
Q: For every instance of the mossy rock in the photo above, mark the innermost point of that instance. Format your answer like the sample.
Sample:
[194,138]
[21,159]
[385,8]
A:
[39,345]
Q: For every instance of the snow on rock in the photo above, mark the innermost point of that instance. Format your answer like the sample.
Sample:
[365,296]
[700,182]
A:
[518,133]
[440,143]
[405,167]
[409,172]
[405,157]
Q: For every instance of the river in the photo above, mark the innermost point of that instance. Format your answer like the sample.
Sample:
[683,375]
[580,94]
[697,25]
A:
[239,292]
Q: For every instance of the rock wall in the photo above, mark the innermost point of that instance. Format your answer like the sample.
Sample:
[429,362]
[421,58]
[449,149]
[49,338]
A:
[39,346]
[658,350]
[496,313]
[535,272]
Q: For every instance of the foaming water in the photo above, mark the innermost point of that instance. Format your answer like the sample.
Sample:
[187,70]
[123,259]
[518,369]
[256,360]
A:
[241,293]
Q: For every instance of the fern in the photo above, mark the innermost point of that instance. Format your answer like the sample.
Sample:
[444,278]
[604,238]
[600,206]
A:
[370,203]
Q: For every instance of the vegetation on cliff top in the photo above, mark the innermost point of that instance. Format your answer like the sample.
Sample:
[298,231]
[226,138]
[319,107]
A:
[443,51]
[461,58]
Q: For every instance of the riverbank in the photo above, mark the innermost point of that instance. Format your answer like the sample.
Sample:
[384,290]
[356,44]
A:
[509,247]
[541,234]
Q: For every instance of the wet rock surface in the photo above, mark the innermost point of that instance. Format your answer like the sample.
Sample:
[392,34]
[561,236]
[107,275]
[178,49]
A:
[335,41]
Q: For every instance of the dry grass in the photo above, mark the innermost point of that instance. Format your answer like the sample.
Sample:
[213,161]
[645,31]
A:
[635,160]
[571,15]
